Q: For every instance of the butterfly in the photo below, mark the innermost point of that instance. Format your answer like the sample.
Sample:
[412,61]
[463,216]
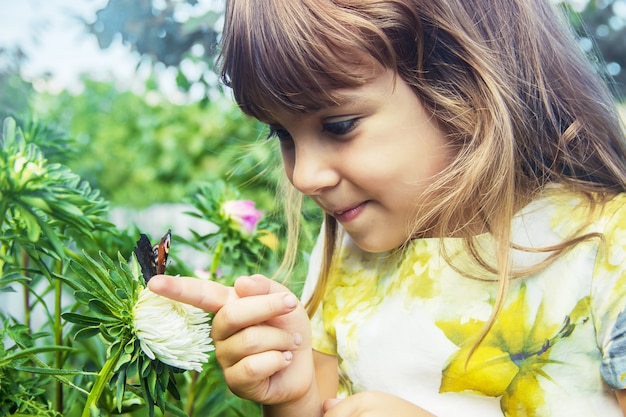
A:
[152,259]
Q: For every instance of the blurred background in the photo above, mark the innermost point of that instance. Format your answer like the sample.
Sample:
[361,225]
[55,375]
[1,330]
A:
[124,93]
[130,89]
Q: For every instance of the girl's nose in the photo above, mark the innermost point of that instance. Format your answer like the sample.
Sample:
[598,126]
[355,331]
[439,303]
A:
[314,170]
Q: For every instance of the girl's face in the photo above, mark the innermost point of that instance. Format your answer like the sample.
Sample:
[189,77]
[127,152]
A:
[368,160]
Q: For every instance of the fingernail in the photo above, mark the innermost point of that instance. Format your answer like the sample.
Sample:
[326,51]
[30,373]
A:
[288,356]
[291,301]
[297,339]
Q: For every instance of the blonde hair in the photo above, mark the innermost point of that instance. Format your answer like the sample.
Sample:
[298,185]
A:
[504,78]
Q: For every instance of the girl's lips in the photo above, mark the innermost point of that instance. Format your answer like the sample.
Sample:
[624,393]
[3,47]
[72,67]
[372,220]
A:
[350,214]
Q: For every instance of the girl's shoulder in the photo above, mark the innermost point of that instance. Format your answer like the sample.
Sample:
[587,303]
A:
[567,213]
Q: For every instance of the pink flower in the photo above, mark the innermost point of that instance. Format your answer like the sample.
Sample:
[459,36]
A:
[243,213]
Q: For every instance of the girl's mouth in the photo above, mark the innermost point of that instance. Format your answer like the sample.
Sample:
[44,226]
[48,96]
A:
[347,215]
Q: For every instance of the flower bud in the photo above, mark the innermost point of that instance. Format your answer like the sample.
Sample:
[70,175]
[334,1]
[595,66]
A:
[243,213]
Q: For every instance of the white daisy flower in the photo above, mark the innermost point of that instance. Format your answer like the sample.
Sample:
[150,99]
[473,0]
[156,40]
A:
[175,333]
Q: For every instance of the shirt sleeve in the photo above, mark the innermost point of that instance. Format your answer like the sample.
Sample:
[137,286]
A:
[609,296]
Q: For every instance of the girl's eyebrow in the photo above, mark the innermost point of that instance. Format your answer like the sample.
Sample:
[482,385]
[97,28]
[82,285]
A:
[341,99]
[348,98]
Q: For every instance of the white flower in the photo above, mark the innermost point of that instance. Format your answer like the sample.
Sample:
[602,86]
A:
[175,333]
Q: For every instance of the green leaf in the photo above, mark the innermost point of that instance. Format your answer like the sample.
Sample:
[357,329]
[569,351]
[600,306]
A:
[173,389]
[170,408]
[53,371]
[86,333]
[125,358]
[130,347]
[8,132]
[37,202]
[121,282]
[95,281]
[121,294]
[33,229]
[146,368]
[120,388]
[26,353]
[81,319]
[133,369]
[85,281]
[12,277]
[83,297]
[99,307]
[70,211]
[108,262]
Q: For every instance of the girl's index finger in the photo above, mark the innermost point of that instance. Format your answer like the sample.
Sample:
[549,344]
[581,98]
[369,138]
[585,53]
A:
[207,295]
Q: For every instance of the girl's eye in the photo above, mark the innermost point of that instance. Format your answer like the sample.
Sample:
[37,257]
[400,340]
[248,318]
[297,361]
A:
[340,127]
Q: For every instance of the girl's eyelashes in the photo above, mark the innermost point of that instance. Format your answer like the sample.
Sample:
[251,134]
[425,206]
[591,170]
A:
[340,127]
[279,133]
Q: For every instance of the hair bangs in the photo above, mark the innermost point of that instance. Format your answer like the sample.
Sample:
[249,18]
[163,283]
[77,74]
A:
[291,55]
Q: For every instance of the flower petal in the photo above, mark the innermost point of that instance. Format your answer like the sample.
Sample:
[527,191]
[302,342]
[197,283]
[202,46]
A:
[177,334]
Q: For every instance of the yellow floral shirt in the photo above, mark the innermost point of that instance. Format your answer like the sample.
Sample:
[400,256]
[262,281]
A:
[406,324]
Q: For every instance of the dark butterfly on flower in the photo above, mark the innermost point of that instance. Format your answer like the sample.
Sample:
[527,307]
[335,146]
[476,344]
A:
[152,259]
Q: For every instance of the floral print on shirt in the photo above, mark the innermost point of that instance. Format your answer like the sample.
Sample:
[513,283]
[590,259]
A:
[410,325]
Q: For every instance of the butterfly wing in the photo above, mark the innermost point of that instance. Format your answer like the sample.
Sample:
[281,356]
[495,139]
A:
[161,251]
[145,257]
[153,259]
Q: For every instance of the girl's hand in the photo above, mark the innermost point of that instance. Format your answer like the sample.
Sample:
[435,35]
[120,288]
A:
[260,331]
[373,404]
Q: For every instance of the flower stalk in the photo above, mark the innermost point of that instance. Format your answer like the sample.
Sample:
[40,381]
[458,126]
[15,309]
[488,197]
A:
[102,379]
[215,261]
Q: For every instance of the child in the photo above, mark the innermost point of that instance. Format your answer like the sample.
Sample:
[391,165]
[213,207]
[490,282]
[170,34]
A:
[472,171]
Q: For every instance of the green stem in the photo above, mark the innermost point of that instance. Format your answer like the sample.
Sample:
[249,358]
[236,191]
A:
[216,259]
[3,243]
[4,206]
[191,394]
[26,299]
[101,380]
[58,336]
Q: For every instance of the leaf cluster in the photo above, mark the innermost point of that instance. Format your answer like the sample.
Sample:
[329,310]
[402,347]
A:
[48,215]
[234,252]
[41,201]
[109,291]
[19,391]
[52,219]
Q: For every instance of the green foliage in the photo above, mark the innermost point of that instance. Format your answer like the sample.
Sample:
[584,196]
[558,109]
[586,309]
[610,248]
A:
[87,355]
[40,203]
[20,393]
[243,253]
[138,153]
[44,210]
[14,91]
[109,291]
